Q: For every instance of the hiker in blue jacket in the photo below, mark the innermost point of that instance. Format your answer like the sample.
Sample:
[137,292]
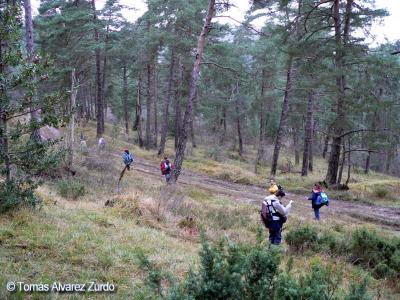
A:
[316,200]
[128,159]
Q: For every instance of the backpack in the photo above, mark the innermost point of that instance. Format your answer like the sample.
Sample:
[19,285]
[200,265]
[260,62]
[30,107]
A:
[165,168]
[266,213]
[128,159]
[322,199]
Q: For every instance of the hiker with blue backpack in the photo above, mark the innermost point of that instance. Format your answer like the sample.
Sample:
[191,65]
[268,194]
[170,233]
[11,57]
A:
[128,159]
[318,199]
[274,214]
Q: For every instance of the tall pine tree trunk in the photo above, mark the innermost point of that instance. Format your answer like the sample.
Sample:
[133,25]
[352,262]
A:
[138,120]
[149,99]
[155,102]
[311,154]
[125,98]
[167,101]
[178,96]
[183,134]
[308,134]
[103,81]
[34,113]
[99,100]
[71,125]
[326,143]
[261,117]
[338,128]
[296,145]
[282,122]
[238,125]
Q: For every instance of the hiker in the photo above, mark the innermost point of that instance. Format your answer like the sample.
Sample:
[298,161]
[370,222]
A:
[274,214]
[318,199]
[128,159]
[83,147]
[102,144]
[166,168]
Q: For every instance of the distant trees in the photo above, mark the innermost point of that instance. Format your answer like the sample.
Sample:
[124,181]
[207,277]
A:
[302,84]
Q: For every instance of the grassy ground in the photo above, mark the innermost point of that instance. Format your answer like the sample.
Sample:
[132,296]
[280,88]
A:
[76,238]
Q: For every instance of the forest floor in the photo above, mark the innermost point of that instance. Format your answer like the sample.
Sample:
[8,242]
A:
[75,237]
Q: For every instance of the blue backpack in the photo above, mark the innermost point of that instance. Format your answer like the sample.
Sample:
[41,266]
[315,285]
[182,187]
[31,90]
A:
[322,199]
[128,159]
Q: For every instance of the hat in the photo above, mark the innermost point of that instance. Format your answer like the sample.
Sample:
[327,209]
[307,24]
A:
[273,189]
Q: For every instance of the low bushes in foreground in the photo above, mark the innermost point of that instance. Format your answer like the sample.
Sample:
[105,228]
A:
[242,271]
[364,247]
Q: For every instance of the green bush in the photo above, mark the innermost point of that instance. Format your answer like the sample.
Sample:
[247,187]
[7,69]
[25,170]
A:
[237,271]
[70,189]
[361,247]
[302,238]
[14,194]
[381,192]
[376,252]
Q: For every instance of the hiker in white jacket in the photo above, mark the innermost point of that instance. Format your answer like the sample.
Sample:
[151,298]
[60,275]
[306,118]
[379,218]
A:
[274,214]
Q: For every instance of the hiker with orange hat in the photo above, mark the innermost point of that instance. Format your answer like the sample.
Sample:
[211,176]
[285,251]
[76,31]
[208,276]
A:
[128,159]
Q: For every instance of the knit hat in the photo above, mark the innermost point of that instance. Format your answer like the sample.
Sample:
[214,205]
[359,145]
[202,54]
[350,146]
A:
[273,189]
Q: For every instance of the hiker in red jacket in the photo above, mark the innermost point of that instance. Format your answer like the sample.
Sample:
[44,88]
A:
[166,168]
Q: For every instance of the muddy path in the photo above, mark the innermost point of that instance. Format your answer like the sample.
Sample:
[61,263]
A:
[342,211]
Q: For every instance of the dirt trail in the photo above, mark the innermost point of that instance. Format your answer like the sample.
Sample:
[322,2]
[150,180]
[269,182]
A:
[346,211]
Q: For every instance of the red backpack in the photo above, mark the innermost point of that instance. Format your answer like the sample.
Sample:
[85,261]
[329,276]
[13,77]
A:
[165,168]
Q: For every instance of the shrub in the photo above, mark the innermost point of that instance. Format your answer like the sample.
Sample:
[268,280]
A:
[374,251]
[230,271]
[70,189]
[302,238]
[362,247]
[381,192]
[238,271]
[14,194]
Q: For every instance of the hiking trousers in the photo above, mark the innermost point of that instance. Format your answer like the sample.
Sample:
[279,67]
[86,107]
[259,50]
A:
[316,213]
[275,232]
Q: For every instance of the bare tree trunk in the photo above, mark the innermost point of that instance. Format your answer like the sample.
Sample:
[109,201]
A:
[167,101]
[339,179]
[311,157]
[183,134]
[149,99]
[326,143]
[103,81]
[99,100]
[238,127]
[296,146]
[223,124]
[308,134]
[282,122]
[178,96]
[348,163]
[71,125]
[261,116]
[367,163]
[35,115]
[138,120]
[192,135]
[125,98]
[155,102]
